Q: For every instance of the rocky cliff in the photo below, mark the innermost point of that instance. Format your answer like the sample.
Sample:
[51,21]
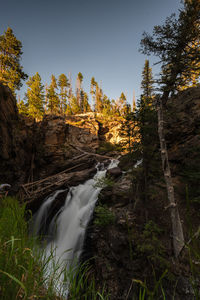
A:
[15,140]
[128,238]
[34,150]
[137,244]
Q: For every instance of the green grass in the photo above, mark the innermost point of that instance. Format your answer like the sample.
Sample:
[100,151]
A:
[22,263]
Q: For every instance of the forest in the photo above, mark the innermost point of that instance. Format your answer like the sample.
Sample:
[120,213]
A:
[100,198]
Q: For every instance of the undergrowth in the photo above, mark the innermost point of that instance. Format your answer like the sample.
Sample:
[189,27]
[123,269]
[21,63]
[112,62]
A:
[23,266]
[103,216]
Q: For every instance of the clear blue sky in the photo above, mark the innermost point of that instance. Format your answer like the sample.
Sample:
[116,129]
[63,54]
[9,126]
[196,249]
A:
[97,38]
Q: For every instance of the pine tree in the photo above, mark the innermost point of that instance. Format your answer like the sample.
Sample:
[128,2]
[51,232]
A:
[147,125]
[107,107]
[122,104]
[86,105]
[134,102]
[45,98]
[129,132]
[79,81]
[92,90]
[53,99]
[98,98]
[175,45]
[75,108]
[22,107]
[35,96]
[63,84]
[147,82]
[11,71]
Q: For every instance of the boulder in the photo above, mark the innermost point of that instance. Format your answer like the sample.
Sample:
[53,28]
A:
[114,172]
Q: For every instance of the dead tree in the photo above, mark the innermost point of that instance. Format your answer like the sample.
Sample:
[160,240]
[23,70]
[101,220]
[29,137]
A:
[177,230]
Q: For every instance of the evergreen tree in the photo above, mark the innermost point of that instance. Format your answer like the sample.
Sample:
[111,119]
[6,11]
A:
[75,108]
[11,71]
[70,93]
[98,98]
[147,82]
[176,45]
[129,132]
[107,107]
[115,107]
[134,102]
[63,84]
[79,81]
[68,110]
[22,107]
[53,99]
[92,90]
[86,105]
[35,96]
[122,104]
[45,98]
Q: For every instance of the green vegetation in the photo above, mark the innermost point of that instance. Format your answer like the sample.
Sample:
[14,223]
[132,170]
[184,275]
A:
[147,294]
[150,245]
[22,263]
[104,182]
[103,216]
[17,262]
[106,147]
[176,44]
[35,97]
[11,72]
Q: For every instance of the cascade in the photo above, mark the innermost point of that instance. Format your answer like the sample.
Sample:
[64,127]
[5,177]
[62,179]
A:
[67,228]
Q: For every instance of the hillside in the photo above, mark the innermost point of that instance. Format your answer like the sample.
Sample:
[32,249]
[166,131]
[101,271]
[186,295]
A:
[132,239]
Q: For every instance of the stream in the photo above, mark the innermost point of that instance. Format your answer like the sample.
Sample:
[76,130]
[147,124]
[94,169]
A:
[66,232]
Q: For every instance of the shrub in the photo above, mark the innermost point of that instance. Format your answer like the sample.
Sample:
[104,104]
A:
[103,216]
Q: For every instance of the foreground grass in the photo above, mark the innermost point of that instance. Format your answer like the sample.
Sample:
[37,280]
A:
[22,268]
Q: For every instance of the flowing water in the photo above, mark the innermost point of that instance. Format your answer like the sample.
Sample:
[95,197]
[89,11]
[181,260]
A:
[68,227]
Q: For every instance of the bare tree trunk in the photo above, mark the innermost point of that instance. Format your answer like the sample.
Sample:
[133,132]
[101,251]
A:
[177,230]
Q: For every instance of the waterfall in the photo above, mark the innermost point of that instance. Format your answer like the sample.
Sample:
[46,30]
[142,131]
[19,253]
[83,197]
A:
[68,228]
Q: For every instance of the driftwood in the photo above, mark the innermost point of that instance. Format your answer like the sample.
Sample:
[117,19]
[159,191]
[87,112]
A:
[38,188]
[177,230]
[32,190]
[50,177]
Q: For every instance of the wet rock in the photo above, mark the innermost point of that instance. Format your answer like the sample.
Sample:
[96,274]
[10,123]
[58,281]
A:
[114,172]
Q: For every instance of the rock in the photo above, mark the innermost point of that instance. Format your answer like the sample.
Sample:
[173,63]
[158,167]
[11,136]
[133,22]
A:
[5,187]
[114,172]
[15,140]
[72,179]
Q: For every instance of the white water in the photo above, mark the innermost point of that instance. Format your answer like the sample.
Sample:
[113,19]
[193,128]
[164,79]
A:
[69,226]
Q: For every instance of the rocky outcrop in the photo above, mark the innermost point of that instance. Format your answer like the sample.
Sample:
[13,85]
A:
[30,151]
[34,150]
[114,172]
[15,140]
[126,250]
[183,127]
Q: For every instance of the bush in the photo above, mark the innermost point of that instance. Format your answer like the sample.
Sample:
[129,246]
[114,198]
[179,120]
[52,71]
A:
[103,216]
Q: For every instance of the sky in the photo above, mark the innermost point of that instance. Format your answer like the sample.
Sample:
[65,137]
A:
[96,38]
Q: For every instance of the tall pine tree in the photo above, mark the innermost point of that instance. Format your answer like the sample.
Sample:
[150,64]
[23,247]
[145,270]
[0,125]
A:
[35,96]
[63,84]
[175,43]
[11,71]
[52,96]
